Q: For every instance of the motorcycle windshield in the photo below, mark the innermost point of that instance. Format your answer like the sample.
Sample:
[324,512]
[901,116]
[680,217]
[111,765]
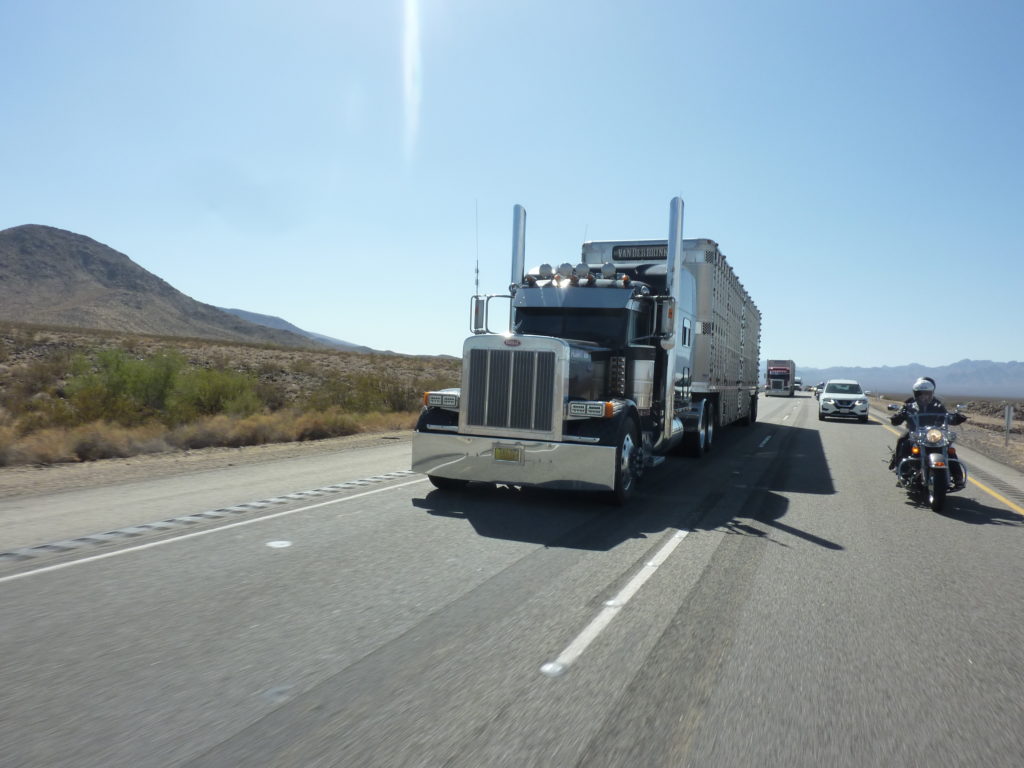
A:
[926,420]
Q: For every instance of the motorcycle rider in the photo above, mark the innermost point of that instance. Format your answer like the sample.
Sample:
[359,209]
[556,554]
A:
[923,401]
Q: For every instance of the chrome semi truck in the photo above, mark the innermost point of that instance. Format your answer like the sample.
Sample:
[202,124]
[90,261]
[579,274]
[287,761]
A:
[642,348]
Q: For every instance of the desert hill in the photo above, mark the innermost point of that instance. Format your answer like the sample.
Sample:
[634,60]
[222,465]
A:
[50,276]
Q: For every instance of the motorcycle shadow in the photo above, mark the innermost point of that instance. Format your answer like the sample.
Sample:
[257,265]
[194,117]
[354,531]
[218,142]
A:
[971,512]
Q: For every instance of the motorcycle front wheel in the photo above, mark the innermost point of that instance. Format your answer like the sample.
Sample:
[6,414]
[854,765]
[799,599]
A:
[936,494]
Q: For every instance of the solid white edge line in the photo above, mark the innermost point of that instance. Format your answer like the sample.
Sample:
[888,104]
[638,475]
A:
[194,534]
[576,648]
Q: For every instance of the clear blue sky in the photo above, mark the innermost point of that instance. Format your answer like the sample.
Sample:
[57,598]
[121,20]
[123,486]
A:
[860,164]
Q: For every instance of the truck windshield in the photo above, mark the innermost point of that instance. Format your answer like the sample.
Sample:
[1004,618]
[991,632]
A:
[605,327]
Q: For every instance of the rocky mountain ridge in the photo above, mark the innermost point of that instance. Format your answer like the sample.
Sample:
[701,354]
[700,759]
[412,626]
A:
[51,276]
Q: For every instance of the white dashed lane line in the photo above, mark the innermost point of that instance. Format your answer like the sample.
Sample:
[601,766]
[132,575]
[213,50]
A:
[122,534]
[194,534]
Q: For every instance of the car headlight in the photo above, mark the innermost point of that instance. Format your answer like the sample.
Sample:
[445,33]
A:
[861,401]
[827,400]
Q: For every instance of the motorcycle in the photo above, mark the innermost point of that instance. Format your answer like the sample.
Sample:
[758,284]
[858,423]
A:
[931,467]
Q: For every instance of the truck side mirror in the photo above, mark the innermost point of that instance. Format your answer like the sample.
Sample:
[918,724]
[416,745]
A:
[478,314]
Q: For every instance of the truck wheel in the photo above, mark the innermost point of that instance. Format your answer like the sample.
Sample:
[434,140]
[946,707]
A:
[627,452]
[694,442]
[447,483]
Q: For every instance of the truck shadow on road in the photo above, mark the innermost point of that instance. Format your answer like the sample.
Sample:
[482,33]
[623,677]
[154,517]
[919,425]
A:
[739,486]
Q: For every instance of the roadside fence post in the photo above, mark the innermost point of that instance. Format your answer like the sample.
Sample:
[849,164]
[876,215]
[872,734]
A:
[1009,422]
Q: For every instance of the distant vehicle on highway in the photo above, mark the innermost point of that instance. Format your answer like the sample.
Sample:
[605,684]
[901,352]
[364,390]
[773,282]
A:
[843,397]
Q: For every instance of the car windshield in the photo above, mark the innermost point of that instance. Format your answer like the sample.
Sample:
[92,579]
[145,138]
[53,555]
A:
[839,388]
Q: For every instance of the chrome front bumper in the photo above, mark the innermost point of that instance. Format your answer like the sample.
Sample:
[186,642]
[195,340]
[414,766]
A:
[566,466]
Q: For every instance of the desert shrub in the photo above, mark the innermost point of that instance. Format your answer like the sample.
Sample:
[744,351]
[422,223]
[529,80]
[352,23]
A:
[43,411]
[272,395]
[303,365]
[333,392]
[47,446]
[101,440]
[266,368]
[8,437]
[365,393]
[388,422]
[201,433]
[205,392]
[261,428]
[319,425]
[35,377]
[97,441]
[121,389]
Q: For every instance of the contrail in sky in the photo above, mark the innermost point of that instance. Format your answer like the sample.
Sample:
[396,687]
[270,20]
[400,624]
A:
[413,79]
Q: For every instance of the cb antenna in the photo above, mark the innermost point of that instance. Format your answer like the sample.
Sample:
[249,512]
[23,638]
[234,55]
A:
[476,212]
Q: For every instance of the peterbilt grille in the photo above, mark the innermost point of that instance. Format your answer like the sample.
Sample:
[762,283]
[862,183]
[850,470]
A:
[512,389]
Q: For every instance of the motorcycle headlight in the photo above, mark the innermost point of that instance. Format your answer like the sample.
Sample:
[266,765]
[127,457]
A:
[933,436]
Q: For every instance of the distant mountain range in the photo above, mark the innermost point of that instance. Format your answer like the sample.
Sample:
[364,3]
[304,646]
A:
[966,378]
[276,322]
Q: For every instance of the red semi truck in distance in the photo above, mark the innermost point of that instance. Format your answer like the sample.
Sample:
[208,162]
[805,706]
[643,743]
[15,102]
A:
[781,378]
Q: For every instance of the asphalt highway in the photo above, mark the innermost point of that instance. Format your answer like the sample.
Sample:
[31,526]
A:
[778,602]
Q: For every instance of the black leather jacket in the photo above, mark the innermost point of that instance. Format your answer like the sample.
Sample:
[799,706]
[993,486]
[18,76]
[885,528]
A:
[910,405]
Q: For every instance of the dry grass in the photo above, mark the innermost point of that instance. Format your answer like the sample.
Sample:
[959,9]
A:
[308,395]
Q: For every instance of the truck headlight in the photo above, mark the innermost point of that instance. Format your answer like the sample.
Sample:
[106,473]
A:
[591,409]
[449,400]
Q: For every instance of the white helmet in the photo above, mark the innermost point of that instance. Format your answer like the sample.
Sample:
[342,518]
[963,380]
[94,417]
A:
[924,385]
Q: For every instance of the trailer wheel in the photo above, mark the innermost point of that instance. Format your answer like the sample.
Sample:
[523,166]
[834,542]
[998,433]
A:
[752,413]
[447,483]
[627,454]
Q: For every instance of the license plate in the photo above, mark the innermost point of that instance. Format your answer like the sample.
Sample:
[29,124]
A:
[512,453]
